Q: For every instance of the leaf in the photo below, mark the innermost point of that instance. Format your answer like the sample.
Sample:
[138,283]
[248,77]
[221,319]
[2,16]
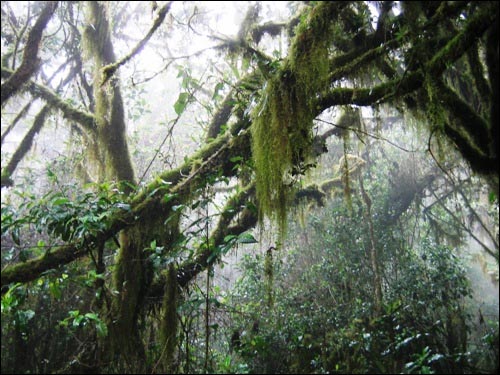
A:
[180,104]
[219,86]
[156,190]
[60,201]
[251,207]
[101,328]
[55,289]
[246,238]
[15,236]
[168,197]
[492,197]
[215,253]
[78,320]
[91,316]
[229,237]
[435,357]
[236,159]
[124,206]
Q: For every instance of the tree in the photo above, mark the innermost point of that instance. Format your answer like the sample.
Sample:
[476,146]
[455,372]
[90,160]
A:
[435,60]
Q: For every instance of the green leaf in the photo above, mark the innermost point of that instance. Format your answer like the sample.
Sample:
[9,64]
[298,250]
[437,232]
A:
[92,316]
[236,159]
[246,238]
[55,289]
[229,237]
[180,104]
[219,86]
[101,328]
[168,197]
[492,197]
[124,206]
[251,207]
[78,320]
[60,201]
[15,236]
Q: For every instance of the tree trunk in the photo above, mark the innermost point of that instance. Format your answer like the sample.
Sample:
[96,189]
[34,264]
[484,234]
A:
[124,349]
[377,279]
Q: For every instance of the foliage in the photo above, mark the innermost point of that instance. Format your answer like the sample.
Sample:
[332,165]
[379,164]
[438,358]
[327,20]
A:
[63,212]
[323,318]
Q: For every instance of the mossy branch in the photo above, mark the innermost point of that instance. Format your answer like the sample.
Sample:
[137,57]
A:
[223,113]
[216,157]
[84,119]
[34,268]
[30,63]
[466,118]
[109,70]
[233,207]
[397,88]
[22,113]
[246,219]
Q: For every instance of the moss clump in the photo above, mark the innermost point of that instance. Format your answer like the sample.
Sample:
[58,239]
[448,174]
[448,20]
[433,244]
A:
[283,121]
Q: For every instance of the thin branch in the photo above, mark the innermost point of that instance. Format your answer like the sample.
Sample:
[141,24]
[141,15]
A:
[110,69]
[355,130]
[18,117]
[464,227]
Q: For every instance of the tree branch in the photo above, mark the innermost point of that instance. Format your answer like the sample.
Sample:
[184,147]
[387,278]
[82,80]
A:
[214,158]
[84,119]
[30,62]
[388,91]
[109,70]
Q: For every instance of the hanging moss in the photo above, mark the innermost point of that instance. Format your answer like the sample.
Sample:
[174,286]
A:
[282,123]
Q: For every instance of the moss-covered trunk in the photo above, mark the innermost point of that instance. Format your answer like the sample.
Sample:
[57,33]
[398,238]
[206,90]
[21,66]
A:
[169,322]
[123,350]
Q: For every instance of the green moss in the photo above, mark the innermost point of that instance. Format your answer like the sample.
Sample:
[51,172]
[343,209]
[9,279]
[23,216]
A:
[283,121]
